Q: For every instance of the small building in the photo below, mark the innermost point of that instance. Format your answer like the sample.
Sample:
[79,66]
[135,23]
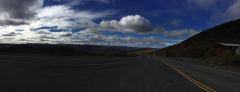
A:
[227,48]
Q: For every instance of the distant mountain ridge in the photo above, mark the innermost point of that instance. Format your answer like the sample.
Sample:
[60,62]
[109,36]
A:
[65,49]
[198,45]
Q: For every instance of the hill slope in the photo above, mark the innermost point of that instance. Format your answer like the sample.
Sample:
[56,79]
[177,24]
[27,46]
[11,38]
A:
[199,44]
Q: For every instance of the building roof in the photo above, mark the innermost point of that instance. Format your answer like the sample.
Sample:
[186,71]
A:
[230,44]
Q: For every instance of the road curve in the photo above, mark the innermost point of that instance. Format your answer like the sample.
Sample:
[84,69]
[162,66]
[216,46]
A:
[217,79]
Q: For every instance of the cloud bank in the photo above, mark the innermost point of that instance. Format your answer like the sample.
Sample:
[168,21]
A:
[14,12]
[27,21]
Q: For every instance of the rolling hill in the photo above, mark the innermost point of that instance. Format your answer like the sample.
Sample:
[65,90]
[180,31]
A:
[202,43]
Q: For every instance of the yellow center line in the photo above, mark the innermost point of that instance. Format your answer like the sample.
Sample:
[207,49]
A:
[195,82]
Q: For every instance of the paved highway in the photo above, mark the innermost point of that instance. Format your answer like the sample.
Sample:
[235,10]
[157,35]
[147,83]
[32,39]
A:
[106,74]
[218,79]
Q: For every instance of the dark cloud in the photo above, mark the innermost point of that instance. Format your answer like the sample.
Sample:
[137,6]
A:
[12,10]
[11,22]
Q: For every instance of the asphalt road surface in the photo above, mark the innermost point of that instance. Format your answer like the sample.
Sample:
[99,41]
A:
[109,74]
[218,79]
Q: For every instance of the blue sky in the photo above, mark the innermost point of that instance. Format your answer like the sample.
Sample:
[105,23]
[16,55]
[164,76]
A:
[135,23]
[172,14]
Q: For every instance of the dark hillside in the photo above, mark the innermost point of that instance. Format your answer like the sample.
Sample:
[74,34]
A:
[200,44]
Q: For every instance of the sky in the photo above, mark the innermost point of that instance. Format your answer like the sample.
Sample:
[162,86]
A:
[133,23]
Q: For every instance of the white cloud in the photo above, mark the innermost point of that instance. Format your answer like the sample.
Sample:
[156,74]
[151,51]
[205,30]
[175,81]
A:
[131,23]
[63,11]
[90,33]
[229,11]
[45,36]
[39,36]
[64,18]
[82,2]
[61,18]
[232,12]
[62,23]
